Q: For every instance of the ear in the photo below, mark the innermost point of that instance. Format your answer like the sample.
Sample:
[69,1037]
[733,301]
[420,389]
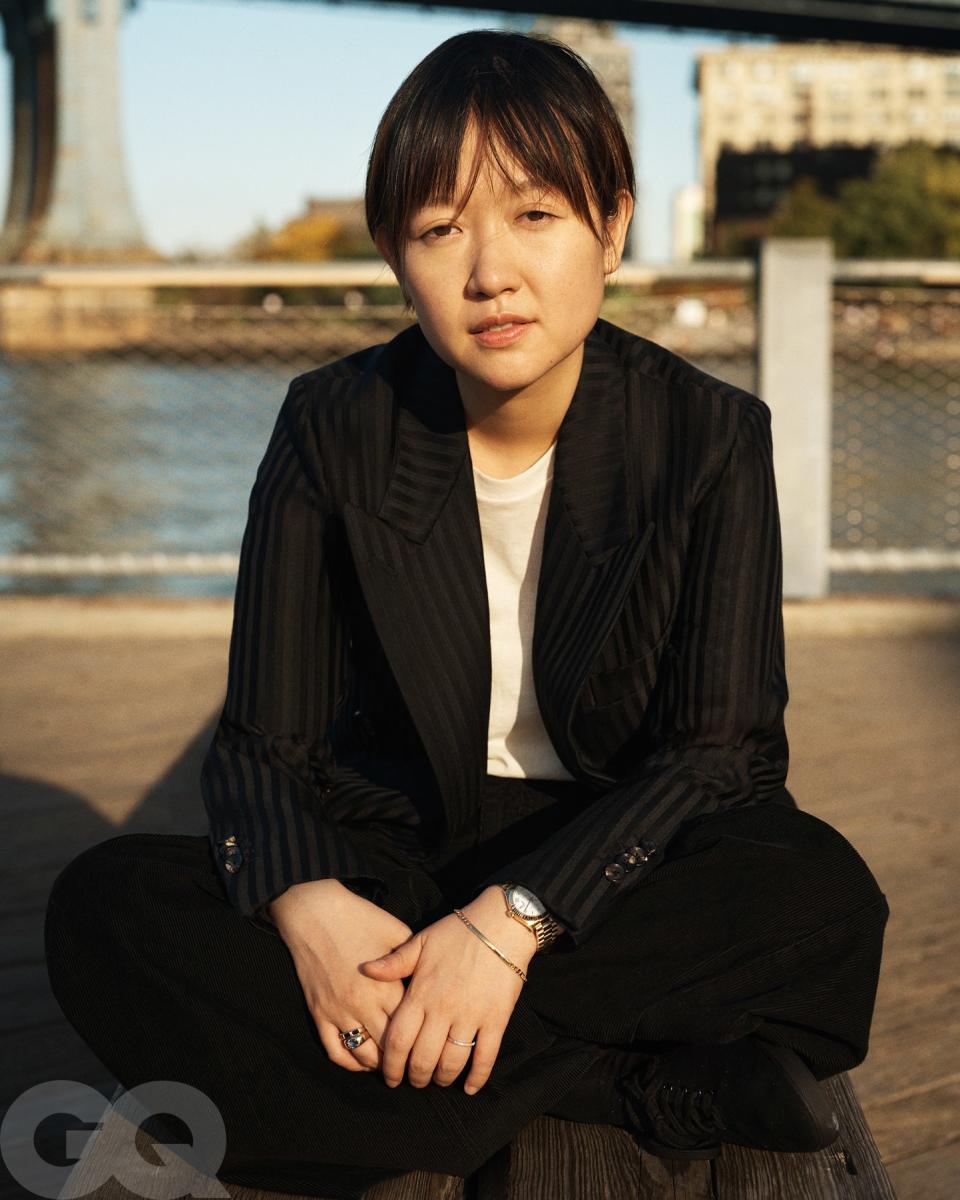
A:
[617,227]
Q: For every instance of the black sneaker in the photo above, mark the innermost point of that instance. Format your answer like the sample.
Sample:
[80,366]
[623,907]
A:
[748,1092]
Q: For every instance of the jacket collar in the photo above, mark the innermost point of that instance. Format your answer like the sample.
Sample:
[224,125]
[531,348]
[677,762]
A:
[590,472]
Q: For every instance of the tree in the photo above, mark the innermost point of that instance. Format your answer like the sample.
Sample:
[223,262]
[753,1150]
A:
[804,211]
[908,207]
[255,244]
[313,236]
[305,238]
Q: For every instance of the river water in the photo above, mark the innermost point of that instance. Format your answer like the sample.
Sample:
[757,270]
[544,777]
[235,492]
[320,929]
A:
[128,453]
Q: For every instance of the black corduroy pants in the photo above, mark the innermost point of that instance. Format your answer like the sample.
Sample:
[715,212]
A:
[760,921]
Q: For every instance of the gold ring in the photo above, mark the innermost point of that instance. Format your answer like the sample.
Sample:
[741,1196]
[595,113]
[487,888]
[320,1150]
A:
[352,1038]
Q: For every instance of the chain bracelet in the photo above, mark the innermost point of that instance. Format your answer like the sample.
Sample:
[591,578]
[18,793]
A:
[469,924]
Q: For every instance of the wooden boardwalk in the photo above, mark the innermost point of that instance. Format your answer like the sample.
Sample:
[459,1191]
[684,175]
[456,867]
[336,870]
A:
[553,1159]
[107,707]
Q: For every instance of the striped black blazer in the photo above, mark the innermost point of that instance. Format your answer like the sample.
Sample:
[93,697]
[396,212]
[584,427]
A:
[359,673]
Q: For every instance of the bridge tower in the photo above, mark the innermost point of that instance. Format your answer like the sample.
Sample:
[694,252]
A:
[69,201]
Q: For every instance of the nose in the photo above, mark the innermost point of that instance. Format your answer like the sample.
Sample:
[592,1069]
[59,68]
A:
[494,267]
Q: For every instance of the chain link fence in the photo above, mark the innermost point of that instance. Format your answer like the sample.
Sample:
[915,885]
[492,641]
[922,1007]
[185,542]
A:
[895,491]
[132,421]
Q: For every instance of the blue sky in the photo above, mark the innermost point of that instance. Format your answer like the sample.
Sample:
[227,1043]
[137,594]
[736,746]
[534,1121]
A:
[235,111]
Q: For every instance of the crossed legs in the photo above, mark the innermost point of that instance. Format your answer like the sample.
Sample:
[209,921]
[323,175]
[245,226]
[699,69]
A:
[762,921]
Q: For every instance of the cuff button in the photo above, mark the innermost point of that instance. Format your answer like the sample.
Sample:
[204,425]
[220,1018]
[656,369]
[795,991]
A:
[645,851]
[231,854]
[614,872]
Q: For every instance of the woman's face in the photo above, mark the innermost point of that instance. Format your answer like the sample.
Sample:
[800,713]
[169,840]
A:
[518,255]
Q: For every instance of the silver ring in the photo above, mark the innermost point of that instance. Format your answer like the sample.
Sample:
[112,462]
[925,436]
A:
[457,1042]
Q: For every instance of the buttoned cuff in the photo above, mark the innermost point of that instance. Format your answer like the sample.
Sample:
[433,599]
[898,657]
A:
[615,872]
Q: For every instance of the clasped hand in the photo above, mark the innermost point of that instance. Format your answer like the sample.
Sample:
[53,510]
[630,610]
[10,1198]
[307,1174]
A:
[458,986]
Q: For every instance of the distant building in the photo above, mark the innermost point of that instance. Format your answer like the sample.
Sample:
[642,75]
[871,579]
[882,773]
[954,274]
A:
[348,210]
[596,42]
[687,226]
[770,113]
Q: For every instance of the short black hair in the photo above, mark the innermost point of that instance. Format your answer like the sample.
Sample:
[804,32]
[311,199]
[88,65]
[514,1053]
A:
[530,96]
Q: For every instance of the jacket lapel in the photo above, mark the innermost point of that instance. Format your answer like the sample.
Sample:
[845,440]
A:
[419,558]
[593,544]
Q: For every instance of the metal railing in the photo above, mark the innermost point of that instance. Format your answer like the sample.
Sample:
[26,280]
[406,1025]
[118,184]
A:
[136,402]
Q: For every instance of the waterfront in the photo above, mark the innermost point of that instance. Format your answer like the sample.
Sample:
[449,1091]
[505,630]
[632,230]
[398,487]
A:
[147,453]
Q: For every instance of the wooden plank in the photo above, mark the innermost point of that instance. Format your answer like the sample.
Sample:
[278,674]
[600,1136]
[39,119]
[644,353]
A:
[850,1169]
[25,997]
[49,1051]
[415,1185]
[888,1070]
[673,1180]
[23,892]
[934,1175]
[918,981]
[918,1121]
[553,1159]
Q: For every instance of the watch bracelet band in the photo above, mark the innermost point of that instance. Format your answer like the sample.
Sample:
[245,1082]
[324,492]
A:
[546,929]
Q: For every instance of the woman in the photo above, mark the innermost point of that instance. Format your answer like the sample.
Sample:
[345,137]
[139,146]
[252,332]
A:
[497,796]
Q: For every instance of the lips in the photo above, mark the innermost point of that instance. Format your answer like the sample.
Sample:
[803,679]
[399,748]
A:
[499,319]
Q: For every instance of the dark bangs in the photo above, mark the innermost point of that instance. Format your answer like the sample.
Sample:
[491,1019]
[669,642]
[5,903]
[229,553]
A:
[533,99]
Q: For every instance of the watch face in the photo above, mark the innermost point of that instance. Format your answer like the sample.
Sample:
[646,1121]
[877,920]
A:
[525,902]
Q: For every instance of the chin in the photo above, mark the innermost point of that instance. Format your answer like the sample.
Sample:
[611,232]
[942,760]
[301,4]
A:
[506,380]
[507,370]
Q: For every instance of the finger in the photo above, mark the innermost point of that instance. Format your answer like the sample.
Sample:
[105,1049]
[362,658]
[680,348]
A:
[426,1050]
[398,964]
[402,1030]
[484,1056]
[368,1053]
[337,1051]
[453,1058]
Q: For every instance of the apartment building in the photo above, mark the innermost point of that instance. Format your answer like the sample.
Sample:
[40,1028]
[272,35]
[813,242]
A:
[794,99]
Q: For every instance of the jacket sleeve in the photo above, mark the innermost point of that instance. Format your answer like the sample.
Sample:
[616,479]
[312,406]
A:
[269,766]
[717,724]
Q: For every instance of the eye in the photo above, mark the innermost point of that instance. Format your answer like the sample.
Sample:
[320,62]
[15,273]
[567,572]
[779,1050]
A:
[538,212]
[436,234]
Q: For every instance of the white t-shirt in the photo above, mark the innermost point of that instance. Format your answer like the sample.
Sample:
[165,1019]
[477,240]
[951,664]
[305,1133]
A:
[513,513]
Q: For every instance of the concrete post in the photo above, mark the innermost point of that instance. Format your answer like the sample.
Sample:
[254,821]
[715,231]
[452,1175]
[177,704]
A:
[795,378]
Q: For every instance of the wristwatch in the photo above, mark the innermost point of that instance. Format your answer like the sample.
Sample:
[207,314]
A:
[524,907]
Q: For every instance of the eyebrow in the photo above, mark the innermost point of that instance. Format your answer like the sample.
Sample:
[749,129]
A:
[530,185]
[518,185]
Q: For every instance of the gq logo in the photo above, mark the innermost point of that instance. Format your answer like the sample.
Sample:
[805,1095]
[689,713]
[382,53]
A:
[110,1150]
